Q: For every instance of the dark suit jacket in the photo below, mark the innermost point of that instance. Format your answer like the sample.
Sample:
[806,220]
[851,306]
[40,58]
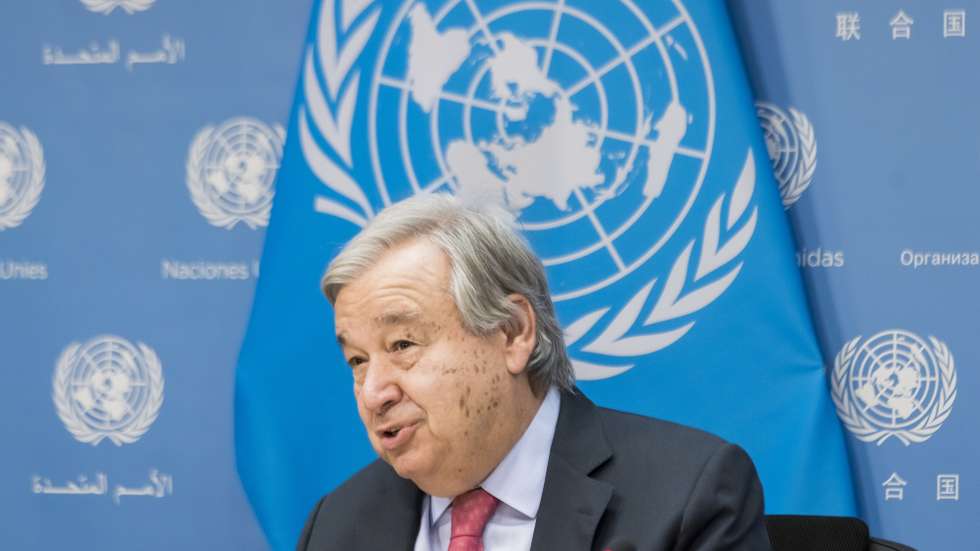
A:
[612,477]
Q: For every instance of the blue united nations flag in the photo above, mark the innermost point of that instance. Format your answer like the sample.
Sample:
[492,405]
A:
[622,137]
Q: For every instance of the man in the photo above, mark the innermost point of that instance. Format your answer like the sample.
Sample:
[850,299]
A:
[463,384]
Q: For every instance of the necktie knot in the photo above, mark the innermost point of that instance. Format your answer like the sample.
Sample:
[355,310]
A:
[470,514]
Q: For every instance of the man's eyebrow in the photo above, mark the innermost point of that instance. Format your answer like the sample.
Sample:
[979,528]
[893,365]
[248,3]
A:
[398,317]
[395,317]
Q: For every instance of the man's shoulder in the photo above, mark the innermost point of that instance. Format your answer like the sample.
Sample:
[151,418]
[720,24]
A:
[675,481]
[632,432]
[702,490]
[652,450]
[650,453]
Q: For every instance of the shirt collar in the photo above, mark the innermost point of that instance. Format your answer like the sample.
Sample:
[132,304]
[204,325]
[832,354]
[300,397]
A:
[518,481]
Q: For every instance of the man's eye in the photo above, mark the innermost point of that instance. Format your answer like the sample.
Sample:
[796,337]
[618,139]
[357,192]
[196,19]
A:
[355,361]
[401,345]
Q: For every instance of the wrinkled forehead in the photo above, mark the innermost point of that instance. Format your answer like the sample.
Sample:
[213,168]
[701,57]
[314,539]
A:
[408,286]
[392,317]
[366,254]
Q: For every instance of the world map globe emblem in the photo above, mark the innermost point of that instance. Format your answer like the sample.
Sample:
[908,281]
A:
[540,107]
[108,388]
[894,376]
[231,170]
[21,174]
[592,125]
[894,384]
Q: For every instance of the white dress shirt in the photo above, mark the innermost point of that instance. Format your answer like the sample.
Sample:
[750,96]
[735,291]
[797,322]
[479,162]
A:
[518,482]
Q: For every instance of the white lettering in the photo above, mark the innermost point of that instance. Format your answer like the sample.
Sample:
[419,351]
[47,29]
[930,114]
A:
[819,258]
[160,485]
[918,259]
[15,269]
[906,257]
[171,51]
[201,270]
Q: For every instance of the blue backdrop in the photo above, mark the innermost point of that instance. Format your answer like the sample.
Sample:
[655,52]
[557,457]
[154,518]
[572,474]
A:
[139,146]
[890,214]
[116,245]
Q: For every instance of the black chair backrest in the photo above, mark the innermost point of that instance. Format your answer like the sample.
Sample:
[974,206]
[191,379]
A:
[807,533]
[885,545]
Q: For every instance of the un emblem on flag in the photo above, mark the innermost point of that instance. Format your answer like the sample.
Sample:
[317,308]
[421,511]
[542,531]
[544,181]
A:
[108,388]
[594,126]
[894,384]
[21,174]
[231,171]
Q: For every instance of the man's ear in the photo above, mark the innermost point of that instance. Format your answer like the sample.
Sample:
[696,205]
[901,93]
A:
[521,334]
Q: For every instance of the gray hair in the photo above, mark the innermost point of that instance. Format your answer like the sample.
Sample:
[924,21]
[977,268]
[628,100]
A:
[488,260]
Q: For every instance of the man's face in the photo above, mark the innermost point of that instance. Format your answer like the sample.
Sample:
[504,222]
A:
[439,403]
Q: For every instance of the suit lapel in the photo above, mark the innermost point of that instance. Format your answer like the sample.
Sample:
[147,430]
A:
[572,503]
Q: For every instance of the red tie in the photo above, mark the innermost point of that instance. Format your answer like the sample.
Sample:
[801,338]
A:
[471,511]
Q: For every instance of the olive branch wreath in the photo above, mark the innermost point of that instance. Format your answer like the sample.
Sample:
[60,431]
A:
[626,335]
[105,7]
[334,124]
[791,189]
[865,431]
[132,431]
[32,194]
[793,185]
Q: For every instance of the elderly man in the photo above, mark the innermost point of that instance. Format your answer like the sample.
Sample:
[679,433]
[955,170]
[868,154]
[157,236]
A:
[463,384]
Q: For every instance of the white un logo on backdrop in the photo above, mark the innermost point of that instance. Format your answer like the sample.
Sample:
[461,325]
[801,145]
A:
[792,149]
[894,384]
[577,136]
[231,171]
[108,388]
[105,7]
[21,174]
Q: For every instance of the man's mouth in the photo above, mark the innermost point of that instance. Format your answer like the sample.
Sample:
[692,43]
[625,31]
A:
[395,435]
[390,433]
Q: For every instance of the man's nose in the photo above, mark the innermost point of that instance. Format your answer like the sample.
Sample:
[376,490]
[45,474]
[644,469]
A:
[380,390]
